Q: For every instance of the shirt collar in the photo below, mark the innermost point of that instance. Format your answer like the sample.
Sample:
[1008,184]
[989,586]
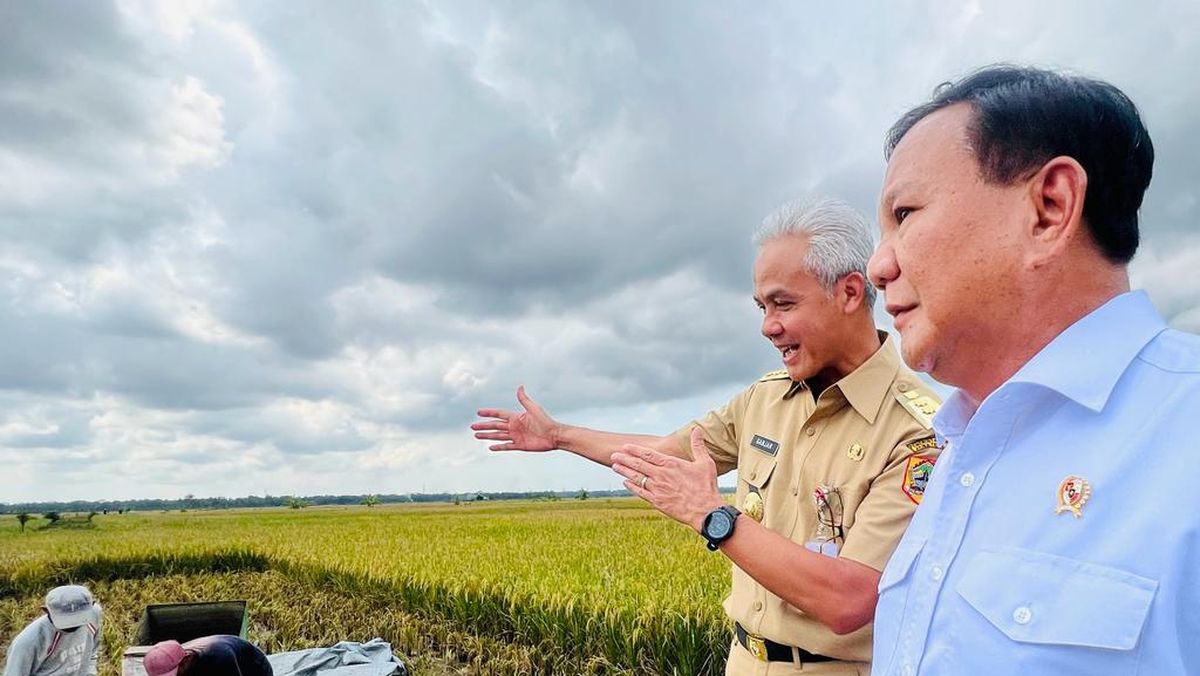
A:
[1083,363]
[865,386]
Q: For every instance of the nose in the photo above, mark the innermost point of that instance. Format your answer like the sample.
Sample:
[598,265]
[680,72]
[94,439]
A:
[883,267]
[770,325]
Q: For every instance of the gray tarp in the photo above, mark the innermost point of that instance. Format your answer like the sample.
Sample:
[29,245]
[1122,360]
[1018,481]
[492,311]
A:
[347,658]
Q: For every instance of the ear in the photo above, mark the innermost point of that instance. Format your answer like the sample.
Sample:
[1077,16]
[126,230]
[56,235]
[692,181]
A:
[852,291]
[1057,191]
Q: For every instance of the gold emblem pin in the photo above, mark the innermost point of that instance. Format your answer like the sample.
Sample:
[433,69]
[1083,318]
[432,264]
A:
[752,506]
[856,452]
[1073,494]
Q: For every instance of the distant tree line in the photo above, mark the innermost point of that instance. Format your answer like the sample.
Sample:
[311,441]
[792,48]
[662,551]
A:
[190,502]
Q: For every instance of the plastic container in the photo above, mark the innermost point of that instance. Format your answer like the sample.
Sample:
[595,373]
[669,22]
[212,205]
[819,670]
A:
[186,621]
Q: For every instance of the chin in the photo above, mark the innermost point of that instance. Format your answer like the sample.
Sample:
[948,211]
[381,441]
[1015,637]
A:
[917,355]
[801,371]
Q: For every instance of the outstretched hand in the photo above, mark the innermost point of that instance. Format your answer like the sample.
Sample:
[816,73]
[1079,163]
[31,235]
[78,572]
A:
[530,430]
[685,490]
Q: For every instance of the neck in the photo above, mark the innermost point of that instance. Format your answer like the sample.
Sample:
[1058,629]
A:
[1043,313]
[861,344]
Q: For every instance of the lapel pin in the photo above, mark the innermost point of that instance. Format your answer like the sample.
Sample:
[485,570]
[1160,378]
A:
[1073,494]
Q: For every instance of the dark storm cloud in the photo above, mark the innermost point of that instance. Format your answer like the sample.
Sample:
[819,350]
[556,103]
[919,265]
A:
[263,233]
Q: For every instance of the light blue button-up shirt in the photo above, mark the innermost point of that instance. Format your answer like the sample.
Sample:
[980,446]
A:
[989,579]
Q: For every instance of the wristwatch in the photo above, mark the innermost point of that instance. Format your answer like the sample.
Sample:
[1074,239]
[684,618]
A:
[718,525]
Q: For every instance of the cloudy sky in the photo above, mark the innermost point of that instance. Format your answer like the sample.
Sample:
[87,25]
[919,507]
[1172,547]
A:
[290,247]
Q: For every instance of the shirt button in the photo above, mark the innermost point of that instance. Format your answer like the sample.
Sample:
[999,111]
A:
[936,573]
[1022,615]
[908,670]
[810,431]
[903,387]
[967,479]
[758,605]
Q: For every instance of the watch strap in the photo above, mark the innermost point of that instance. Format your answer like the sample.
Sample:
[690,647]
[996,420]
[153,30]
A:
[714,542]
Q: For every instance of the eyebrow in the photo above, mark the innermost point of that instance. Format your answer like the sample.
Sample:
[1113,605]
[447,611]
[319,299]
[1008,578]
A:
[773,295]
[889,196]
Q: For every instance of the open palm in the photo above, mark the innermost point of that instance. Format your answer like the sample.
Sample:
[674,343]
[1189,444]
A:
[529,430]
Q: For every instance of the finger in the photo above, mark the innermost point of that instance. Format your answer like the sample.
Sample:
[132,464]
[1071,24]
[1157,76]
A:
[490,425]
[638,491]
[494,436]
[504,447]
[528,402]
[634,463]
[494,413]
[627,471]
[648,454]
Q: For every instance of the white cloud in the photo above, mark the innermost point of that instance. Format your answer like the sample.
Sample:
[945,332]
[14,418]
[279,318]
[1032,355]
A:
[259,247]
[190,130]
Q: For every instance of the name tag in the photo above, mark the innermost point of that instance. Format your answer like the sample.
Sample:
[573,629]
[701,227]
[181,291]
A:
[765,445]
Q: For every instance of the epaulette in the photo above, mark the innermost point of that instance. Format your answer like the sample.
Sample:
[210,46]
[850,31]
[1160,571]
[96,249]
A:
[919,403]
[781,374]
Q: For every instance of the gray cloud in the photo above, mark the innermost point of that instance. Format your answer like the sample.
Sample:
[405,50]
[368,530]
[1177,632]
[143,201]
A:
[260,240]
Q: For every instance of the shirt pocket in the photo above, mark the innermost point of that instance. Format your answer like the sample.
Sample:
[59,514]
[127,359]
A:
[757,469]
[1063,611]
[892,606]
[900,563]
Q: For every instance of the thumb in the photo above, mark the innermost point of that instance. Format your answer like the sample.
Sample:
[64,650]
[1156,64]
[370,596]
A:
[527,402]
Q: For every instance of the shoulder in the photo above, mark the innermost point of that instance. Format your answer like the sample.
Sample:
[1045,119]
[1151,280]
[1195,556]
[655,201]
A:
[779,374]
[1173,351]
[36,633]
[916,398]
[773,384]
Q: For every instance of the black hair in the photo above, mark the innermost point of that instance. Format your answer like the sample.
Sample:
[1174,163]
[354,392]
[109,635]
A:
[1023,117]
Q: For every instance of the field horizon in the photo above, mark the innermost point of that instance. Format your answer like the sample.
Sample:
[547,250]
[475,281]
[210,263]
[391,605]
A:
[604,586]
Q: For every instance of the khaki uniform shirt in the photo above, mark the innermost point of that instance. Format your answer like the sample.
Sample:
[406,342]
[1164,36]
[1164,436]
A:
[867,436]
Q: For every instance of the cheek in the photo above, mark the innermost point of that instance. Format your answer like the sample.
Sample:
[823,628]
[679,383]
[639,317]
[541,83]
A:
[813,337]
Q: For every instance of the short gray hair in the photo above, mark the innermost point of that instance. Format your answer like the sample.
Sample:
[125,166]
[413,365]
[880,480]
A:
[839,240]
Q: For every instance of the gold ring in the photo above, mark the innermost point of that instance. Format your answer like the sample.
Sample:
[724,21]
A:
[642,483]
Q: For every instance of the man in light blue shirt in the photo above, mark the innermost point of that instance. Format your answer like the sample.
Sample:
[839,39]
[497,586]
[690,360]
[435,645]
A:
[1060,532]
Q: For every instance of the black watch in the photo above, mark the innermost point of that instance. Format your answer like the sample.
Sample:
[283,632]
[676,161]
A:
[718,525]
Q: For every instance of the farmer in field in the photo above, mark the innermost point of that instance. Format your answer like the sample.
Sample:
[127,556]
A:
[831,452]
[63,641]
[219,655]
[1060,532]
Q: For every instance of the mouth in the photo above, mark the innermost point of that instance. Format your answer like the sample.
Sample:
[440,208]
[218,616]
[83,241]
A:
[899,312]
[788,351]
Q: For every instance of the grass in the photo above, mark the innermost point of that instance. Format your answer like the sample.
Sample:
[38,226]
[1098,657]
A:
[598,586]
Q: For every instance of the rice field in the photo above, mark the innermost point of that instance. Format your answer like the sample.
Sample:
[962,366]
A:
[602,586]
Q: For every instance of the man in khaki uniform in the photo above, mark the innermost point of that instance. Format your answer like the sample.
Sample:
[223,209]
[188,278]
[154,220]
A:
[832,452]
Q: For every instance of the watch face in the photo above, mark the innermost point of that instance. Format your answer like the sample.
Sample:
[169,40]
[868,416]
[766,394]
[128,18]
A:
[719,525]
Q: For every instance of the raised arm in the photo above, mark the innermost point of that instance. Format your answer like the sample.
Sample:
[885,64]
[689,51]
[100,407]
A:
[533,430]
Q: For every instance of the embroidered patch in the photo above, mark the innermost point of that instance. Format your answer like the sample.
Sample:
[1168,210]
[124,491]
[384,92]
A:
[921,444]
[916,476]
[765,445]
